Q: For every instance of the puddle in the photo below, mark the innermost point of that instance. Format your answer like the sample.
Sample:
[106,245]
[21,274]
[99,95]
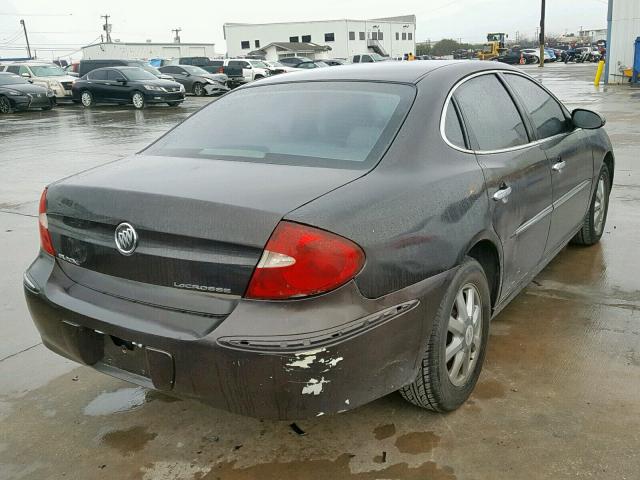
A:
[488,389]
[122,400]
[384,431]
[417,442]
[129,441]
[323,469]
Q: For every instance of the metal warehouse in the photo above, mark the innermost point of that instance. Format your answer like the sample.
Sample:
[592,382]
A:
[391,36]
[624,28]
[147,50]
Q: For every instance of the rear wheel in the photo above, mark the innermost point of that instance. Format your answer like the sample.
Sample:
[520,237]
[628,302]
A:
[596,218]
[173,104]
[138,100]
[5,105]
[198,89]
[456,347]
[86,97]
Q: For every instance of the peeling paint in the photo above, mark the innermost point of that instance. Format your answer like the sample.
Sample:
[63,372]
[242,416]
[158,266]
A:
[314,386]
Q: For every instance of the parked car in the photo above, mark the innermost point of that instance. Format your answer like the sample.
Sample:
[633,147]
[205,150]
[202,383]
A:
[126,85]
[513,57]
[85,66]
[335,62]
[276,68]
[293,61]
[251,69]
[552,54]
[368,58]
[312,64]
[17,93]
[308,265]
[196,80]
[47,75]
[535,55]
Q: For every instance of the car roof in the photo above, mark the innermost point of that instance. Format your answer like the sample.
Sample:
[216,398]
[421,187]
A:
[391,71]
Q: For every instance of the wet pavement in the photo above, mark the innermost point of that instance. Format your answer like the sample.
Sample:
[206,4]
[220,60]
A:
[559,396]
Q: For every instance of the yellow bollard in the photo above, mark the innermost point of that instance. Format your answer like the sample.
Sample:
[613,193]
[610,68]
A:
[596,81]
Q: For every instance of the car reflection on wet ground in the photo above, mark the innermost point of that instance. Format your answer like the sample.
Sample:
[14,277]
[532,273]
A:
[559,396]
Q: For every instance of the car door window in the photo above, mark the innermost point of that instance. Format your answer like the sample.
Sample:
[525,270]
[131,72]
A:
[366,59]
[490,114]
[356,59]
[114,75]
[547,114]
[98,75]
[14,69]
[452,127]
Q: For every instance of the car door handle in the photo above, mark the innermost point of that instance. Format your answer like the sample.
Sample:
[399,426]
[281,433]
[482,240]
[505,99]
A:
[502,195]
[559,166]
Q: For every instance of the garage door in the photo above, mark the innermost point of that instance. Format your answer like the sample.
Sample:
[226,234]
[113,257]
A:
[170,52]
[196,52]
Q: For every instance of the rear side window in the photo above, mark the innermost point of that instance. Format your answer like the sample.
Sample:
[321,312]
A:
[547,115]
[114,75]
[324,124]
[452,127]
[490,114]
[98,75]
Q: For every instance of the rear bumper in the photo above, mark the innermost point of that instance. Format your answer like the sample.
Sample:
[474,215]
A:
[262,360]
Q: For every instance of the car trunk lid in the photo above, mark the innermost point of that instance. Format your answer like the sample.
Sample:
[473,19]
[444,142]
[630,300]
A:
[201,224]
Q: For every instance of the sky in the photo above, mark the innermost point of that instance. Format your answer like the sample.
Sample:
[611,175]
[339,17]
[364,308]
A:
[57,29]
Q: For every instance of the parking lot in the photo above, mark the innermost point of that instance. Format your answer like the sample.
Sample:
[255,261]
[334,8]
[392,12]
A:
[559,395]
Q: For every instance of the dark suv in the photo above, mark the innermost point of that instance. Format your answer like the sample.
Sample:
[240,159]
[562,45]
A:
[125,85]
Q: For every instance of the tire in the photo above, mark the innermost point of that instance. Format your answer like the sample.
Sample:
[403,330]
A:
[258,77]
[47,108]
[173,104]
[596,218]
[5,105]
[198,90]
[86,98]
[137,98]
[437,387]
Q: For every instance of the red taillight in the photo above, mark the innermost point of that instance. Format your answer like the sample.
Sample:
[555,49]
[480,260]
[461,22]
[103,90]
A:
[299,261]
[45,238]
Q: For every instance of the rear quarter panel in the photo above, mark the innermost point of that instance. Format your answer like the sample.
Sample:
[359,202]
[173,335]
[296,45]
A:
[419,211]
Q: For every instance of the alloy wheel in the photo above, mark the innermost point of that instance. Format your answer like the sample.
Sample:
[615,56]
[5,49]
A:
[464,335]
[599,207]
[138,100]
[87,99]
[198,89]
[5,106]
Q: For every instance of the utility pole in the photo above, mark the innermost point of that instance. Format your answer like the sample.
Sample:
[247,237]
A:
[176,38]
[24,27]
[542,15]
[107,27]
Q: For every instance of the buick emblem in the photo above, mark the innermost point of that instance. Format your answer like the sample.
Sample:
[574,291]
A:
[126,239]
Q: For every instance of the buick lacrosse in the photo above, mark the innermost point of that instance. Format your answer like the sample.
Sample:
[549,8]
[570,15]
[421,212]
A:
[314,241]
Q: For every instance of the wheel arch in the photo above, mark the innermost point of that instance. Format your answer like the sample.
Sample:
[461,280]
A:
[610,162]
[485,250]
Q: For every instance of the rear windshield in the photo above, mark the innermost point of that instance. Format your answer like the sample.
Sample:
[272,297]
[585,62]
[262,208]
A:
[327,124]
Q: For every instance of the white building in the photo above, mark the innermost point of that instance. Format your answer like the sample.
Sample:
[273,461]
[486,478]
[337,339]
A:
[594,35]
[145,51]
[393,36]
[624,28]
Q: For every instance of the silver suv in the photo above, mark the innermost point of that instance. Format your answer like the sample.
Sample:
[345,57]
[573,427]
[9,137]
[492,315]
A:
[45,74]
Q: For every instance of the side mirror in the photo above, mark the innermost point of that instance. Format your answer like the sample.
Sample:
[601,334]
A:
[587,119]
[26,74]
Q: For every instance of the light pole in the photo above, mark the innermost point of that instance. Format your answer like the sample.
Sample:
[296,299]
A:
[541,39]
[24,27]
